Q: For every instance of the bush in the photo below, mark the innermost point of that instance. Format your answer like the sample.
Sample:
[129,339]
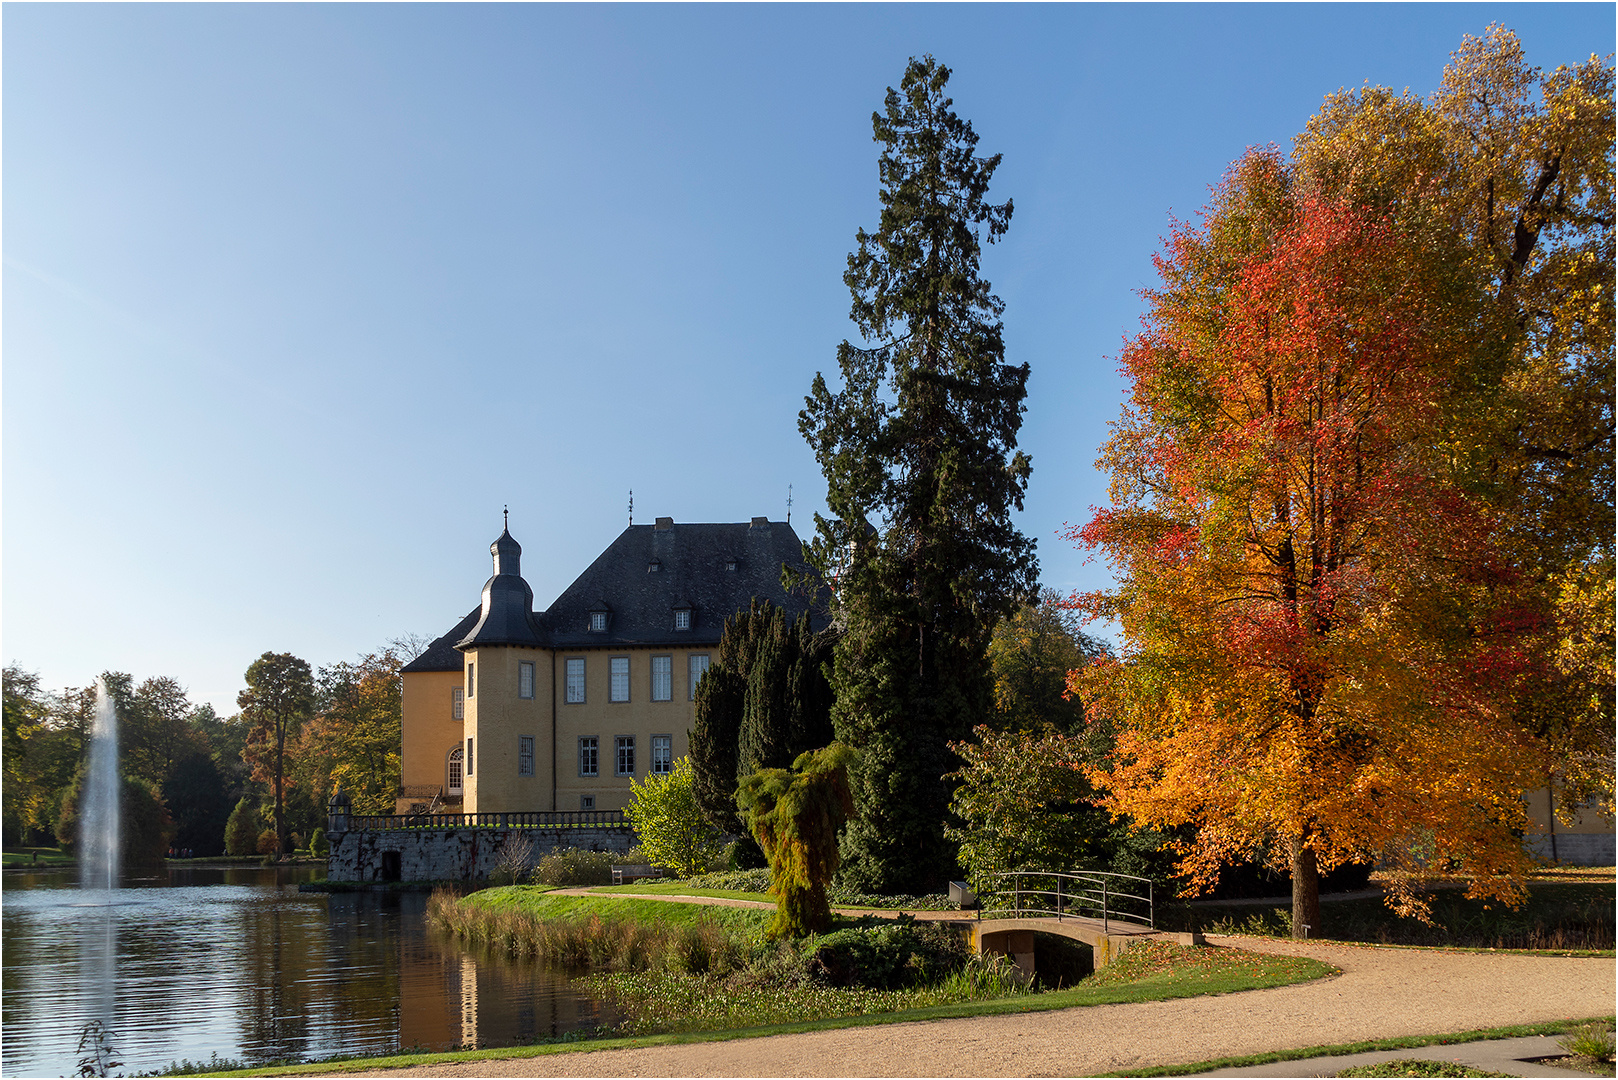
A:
[889,956]
[1593,1040]
[573,866]
[318,845]
[268,844]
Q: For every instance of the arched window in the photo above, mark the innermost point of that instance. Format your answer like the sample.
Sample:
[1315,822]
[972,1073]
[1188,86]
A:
[456,757]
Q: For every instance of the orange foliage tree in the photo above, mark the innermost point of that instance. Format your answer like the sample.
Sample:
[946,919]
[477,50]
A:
[1324,629]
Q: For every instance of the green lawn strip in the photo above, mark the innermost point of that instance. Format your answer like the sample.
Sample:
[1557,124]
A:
[1267,971]
[679,888]
[1409,1042]
[541,902]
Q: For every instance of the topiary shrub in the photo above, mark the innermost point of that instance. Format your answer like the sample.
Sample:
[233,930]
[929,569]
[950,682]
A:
[796,816]
[319,846]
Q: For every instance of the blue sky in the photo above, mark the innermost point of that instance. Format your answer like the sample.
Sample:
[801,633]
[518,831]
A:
[297,297]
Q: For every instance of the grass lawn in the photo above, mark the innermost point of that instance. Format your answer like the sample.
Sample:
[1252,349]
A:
[680,888]
[46,856]
[539,901]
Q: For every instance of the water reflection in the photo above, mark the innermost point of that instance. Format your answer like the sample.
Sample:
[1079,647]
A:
[235,961]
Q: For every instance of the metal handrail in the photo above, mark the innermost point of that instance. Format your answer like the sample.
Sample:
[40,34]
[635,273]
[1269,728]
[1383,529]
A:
[531,819]
[1087,890]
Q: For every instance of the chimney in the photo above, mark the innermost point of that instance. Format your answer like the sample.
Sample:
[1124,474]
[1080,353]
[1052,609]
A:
[664,524]
[760,523]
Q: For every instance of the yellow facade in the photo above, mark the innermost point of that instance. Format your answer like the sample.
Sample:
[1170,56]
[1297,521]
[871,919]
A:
[431,732]
[508,730]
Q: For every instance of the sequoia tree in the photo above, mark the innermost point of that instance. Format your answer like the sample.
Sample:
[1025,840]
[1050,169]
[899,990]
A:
[922,436]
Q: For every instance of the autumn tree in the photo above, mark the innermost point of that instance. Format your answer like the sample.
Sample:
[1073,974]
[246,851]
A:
[278,698]
[352,739]
[796,814]
[921,437]
[1323,624]
[1507,172]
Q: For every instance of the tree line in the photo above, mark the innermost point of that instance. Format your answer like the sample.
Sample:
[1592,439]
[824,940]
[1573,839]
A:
[254,782]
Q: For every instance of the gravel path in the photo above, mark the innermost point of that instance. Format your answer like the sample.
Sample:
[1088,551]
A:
[1381,993]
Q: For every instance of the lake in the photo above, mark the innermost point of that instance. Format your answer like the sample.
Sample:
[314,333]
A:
[191,961]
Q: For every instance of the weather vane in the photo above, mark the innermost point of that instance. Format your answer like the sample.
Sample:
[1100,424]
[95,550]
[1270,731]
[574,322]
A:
[505,516]
[632,506]
[789,504]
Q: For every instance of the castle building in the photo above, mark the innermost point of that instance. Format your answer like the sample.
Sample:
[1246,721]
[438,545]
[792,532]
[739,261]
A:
[516,710]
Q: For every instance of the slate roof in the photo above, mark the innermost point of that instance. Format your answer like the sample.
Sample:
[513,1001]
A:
[442,655]
[693,571]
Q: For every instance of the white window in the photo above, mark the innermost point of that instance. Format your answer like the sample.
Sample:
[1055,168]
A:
[699,667]
[575,680]
[456,759]
[682,619]
[471,680]
[457,703]
[525,679]
[619,670]
[662,754]
[525,755]
[587,802]
[598,622]
[589,756]
[662,678]
[626,755]
[469,757]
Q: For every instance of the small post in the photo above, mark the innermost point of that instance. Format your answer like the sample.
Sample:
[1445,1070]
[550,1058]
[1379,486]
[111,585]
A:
[1058,897]
[1103,905]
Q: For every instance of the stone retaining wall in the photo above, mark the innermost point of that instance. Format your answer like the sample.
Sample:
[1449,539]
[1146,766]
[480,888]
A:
[464,854]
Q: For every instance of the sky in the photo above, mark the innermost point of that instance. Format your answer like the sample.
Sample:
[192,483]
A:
[296,298]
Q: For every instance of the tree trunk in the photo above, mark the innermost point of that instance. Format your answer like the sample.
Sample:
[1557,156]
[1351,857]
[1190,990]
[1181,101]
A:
[1305,891]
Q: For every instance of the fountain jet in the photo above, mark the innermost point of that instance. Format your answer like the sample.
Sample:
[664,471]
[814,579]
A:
[99,825]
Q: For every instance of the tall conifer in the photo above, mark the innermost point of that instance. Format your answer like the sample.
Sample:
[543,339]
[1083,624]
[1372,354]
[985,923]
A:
[922,437]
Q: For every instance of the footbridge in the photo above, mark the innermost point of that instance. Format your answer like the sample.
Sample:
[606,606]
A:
[1105,911]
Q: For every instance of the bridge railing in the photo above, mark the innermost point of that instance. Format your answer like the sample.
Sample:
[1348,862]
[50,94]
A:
[530,819]
[1088,894]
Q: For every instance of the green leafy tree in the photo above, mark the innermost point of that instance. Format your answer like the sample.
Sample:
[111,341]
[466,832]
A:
[243,826]
[671,826]
[1024,804]
[26,710]
[923,435]
[1031,653]
[145,827]
[277,701]
[796,815]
